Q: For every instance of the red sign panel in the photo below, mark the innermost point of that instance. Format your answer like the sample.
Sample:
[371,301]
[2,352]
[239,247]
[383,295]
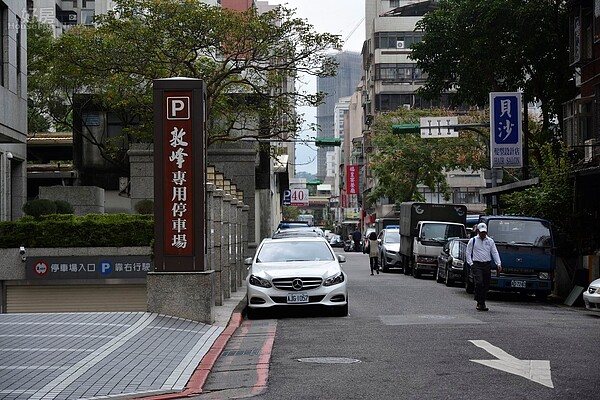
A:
[178,213]
[352,179]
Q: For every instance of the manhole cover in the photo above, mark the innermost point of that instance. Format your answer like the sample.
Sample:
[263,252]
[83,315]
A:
[329,360]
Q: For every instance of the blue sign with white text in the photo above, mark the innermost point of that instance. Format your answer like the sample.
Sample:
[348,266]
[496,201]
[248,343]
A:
[505,130]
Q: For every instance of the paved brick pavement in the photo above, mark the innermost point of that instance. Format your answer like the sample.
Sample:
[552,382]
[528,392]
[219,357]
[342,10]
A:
[102,355]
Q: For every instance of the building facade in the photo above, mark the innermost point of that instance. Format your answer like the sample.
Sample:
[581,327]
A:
[343,84]
[13,109]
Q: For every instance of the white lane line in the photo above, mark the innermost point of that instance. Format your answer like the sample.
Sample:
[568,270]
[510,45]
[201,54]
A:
[181,374]
[44,349]
[58,384]
[78,336]
[12,367]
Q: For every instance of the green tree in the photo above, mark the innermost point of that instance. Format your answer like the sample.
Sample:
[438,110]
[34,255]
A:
[401,162]
[475,47]
[552,199]
[247,60]
[290,213]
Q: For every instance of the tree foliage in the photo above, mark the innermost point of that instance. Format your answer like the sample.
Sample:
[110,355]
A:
[475,47]
[402,162]
[552,199]
[247,60]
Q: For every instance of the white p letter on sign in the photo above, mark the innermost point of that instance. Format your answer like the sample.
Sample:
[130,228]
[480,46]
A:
[178,108]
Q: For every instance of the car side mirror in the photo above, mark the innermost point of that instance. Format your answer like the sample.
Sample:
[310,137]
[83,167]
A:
[248,261]
[341,258]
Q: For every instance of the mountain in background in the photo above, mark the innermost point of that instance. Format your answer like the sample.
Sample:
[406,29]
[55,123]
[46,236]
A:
[307,175]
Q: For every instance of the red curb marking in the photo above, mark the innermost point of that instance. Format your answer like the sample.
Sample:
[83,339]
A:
[262,368]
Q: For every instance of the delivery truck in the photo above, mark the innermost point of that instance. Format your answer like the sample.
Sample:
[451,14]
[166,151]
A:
[424,229]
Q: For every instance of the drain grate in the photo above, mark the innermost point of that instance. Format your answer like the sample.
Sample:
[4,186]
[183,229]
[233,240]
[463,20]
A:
[229,353]
[329,360]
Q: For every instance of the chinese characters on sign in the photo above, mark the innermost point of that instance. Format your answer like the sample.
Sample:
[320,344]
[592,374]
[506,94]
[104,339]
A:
[87,267]
[505,130]
[178,215]
[352,179]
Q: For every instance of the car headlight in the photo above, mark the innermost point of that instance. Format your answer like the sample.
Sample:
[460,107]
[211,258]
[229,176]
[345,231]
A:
[544,275]
[334,280]
[494,272]
[258,281]
[390,251]
[457,263]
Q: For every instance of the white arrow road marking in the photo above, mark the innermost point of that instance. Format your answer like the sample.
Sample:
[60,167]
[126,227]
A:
[535,370]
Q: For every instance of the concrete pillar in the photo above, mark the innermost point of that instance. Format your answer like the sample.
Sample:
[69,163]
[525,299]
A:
[225,235]
[216,233]
[240,245]
[188,295]
[232,242]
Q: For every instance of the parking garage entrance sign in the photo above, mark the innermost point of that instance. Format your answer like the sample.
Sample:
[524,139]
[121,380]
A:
[87,267]
[179,170]
[506,149]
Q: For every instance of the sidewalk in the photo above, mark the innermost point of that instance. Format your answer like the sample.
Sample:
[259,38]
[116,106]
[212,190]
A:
[117,355]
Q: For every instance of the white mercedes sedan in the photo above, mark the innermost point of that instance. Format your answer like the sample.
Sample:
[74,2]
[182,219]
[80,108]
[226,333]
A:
[296,271]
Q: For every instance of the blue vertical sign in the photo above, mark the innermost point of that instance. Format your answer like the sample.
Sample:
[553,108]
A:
[506,145]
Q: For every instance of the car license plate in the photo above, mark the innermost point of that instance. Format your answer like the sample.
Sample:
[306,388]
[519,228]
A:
[518,284]
[297,298]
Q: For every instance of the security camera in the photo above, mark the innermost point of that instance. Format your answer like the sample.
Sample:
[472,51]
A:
[22,250]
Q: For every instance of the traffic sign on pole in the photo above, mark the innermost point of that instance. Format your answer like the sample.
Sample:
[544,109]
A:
[438,127]
[506,121]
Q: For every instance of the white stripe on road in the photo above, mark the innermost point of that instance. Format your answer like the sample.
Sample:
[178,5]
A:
[58,384]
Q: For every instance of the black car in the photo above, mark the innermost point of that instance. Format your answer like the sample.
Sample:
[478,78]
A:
[452,262]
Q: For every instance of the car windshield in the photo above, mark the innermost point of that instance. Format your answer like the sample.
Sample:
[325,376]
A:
[532,233]
[392,237]
[441,232]
[279,251]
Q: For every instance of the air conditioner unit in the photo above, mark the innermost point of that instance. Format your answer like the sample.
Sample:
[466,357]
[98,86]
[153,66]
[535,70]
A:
[590,147]
[73,17]
[400,44]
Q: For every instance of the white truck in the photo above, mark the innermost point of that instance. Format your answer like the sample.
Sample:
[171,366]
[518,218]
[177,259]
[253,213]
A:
[424,229]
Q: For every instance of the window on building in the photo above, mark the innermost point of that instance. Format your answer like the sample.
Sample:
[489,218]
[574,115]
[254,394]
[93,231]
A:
[404,72]
[3,41]
[394,3]
[397,40]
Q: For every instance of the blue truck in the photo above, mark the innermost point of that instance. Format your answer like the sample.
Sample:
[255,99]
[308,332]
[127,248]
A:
[526,247]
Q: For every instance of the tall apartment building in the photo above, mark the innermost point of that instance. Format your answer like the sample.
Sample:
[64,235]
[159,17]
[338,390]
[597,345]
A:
[342,85]
[13,109]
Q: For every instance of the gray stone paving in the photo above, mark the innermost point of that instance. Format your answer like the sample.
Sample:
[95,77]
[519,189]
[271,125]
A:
[98,355]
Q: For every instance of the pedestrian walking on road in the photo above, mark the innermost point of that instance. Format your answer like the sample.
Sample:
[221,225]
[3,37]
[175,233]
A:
[356,236]
[481,250]
[373,253]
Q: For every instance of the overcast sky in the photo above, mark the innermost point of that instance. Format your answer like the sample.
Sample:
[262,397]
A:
[339,17]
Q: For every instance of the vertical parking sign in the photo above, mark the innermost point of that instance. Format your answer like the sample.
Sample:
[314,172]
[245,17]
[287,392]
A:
[506,148]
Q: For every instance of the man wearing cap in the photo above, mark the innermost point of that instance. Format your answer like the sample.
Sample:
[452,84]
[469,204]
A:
[481,250]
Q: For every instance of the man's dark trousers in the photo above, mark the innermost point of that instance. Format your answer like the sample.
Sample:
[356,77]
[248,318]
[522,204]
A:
[482,274]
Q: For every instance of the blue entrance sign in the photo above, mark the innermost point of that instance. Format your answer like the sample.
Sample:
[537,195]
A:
[506,149]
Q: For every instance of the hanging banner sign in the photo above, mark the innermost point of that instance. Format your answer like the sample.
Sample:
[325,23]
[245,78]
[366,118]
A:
[506,121]
[352,179]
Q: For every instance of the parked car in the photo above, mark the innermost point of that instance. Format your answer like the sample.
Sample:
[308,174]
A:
[388,242]
[451,262]
[336,240]
[591,296]
[298,231]
[366,239]
[293,272]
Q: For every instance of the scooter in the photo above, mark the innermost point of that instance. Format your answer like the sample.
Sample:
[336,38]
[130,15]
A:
[349,246]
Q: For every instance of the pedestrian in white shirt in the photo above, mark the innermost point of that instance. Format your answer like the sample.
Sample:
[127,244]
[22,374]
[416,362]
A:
[481,250]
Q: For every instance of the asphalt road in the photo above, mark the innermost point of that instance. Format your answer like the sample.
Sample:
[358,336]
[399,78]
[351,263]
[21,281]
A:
[408,338]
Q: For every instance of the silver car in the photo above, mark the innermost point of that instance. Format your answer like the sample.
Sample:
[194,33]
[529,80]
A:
[296,271]
[388,241]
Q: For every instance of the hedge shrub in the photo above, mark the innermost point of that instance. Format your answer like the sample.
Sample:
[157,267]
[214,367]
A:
[93,230]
